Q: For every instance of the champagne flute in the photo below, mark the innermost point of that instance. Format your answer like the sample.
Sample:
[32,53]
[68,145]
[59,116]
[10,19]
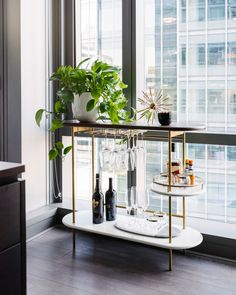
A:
[131,199]
[143,201]
[130,157]
[105,155]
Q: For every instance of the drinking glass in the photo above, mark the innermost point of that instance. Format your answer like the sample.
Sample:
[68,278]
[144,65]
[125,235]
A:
[142,201]
[130,157]
[123,158]
[131,199]
[105,155]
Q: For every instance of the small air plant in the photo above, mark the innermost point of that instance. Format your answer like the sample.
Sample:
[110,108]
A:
[153,102]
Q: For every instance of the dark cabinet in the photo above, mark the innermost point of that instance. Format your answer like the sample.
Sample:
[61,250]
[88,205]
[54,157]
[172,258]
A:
[12,230]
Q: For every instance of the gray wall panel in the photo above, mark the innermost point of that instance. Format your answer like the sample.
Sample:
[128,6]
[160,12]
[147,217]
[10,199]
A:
[12,79]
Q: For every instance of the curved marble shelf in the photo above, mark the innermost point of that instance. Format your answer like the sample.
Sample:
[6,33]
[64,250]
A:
[188,238]
[177,191]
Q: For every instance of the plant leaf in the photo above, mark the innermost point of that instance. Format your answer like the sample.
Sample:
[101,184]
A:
[67,150]
[90,105]
[59,107]
[66,95]
[38,116]
[52,154]
[102,107]
[59,145]
[83,61]
[123,85]
[56,124]
[95,94]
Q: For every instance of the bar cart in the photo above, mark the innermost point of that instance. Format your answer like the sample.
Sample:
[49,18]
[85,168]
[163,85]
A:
[82,220]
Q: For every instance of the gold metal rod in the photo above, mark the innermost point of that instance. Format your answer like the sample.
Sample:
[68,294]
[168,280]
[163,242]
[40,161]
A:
[74,237]
[183,165]
[169,183]
[184,216]
[183,151]
[170,259]
[73,175]
[93,184]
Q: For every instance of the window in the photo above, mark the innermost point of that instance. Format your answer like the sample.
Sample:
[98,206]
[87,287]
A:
[183,56]
[201,54]
[99,30]
[231,9]
[232,53]
[216,54]
[181,50]
[98,35]
[200,78]
[216,10]
[214,163]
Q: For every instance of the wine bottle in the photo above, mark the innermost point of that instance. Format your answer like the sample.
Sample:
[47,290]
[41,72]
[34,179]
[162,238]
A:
[110,197]
[98,203]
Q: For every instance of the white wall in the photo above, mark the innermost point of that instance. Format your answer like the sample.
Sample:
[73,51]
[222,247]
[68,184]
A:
[33,73]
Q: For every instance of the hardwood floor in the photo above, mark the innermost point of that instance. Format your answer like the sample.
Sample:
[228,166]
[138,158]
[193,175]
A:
[107,266]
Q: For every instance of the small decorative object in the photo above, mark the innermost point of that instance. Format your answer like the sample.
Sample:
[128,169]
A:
[164,118]
[153,102]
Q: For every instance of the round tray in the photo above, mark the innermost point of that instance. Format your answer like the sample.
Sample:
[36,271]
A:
[177,191]
[198,182]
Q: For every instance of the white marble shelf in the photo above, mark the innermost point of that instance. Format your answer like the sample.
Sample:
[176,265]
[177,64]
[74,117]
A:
[177,191]
[188,238]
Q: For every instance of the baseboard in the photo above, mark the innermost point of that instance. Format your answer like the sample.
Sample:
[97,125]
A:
[217,246]
[40,220]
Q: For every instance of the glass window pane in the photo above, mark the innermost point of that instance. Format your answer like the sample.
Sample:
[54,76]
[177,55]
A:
[215,164]
[178,51]
[99,30]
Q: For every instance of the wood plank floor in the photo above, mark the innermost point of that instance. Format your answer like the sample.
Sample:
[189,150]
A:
[107,266]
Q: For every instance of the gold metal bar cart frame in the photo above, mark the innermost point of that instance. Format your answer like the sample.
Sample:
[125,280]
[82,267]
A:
[172,131]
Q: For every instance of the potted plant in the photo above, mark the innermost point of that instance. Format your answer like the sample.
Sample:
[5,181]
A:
[94,92]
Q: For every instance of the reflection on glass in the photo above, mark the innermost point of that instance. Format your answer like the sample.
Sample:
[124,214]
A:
[216,165]
[99,30]
[190,51]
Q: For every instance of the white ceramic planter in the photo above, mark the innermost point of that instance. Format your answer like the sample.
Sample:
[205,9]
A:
[79,108]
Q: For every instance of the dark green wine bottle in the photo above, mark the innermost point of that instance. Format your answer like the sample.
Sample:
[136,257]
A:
[98,203]
[110,197]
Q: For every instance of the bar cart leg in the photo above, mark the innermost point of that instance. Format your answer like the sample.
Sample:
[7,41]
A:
[183,165]
[73,185]
[93,160]
[170,201]
[184,216]
[74,239]
[170,259]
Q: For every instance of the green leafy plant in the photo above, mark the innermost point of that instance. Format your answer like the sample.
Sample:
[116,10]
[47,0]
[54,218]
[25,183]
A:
[101,80]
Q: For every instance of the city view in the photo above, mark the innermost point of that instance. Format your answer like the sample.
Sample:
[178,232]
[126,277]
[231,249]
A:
[188,48]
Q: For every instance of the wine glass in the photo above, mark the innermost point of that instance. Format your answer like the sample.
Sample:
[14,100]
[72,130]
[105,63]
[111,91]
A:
[130,157]
[143,201]
[123,158]
[115,161]
[131,199]
[135,150]
[105,155]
